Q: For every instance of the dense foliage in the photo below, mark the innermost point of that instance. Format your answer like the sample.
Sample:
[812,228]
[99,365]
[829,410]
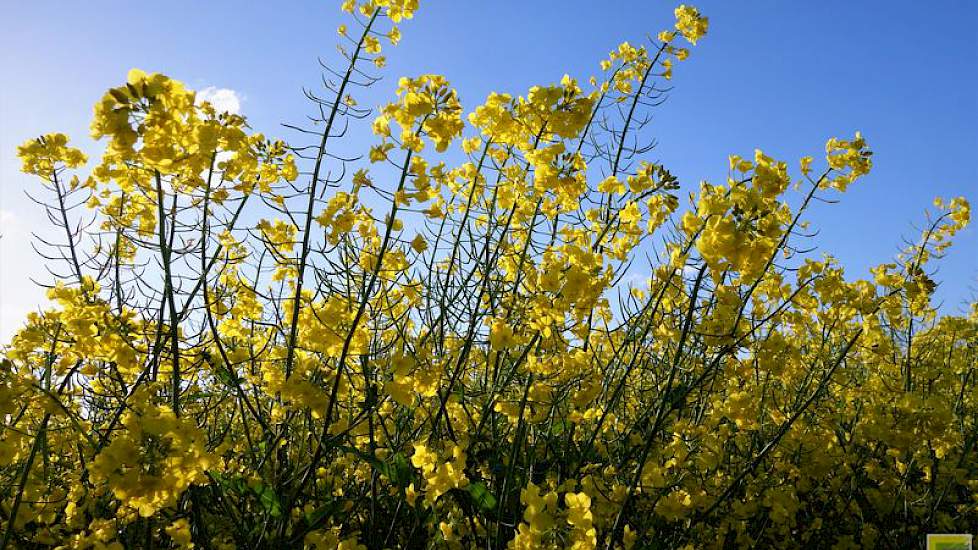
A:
[261,345]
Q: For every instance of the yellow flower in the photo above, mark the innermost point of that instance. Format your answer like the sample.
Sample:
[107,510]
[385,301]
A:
[419,244]
[371,45]
[690,23]
[40,156]
[179,533]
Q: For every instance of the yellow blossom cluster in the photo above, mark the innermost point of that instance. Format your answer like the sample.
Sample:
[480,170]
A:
[153,461]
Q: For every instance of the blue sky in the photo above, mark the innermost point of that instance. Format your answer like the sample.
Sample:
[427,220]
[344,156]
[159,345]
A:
[776,75]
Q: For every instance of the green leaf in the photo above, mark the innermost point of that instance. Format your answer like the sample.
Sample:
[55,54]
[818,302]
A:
[236,483]
[481,496]
[315,517]
[559,427]
[226,376]
[398,470]
[402,472]
[268,499]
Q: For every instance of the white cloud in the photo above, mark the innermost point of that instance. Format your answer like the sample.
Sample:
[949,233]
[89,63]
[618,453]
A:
[8,221]
[637,277]
[223,99]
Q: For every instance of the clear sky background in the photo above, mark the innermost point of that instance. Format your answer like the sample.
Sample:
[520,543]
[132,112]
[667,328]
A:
[777,75]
